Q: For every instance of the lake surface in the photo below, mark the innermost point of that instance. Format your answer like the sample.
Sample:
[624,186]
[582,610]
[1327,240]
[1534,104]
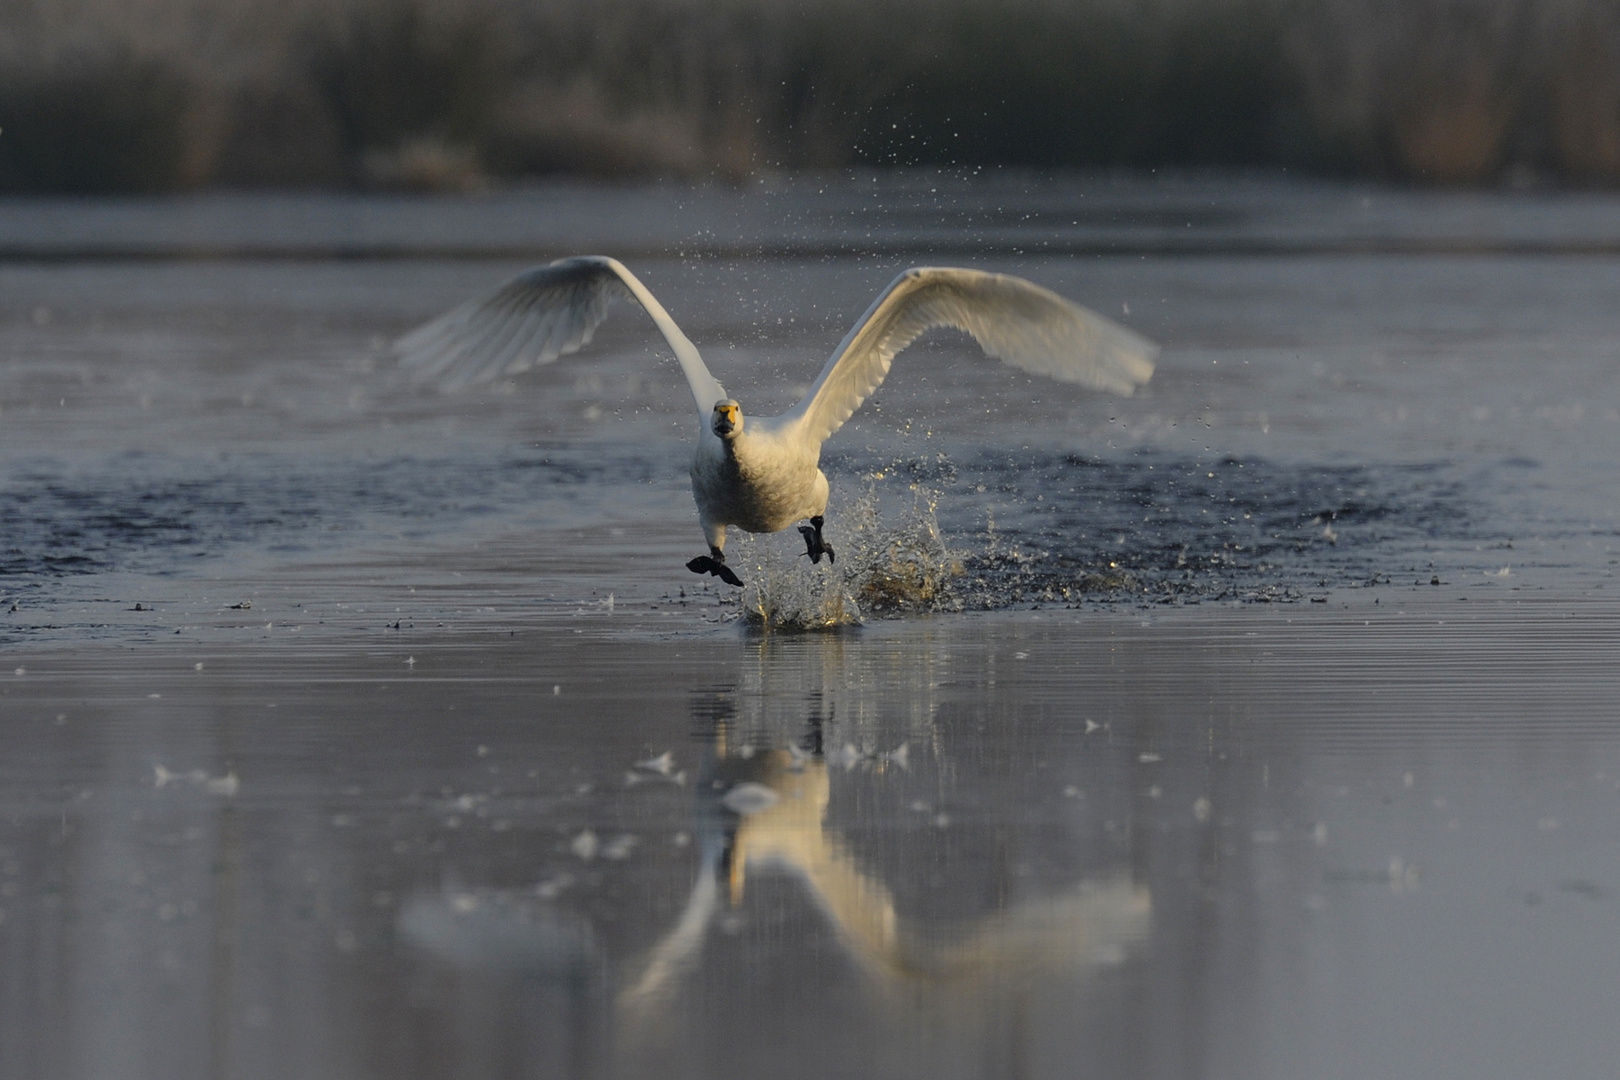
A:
[1263,724]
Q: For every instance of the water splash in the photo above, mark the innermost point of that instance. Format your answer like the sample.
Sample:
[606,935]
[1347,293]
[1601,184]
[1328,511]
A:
[886,565]
[903,565]
[782,595]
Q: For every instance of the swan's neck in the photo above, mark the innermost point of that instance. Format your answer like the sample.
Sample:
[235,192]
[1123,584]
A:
[730,467]
[728,447]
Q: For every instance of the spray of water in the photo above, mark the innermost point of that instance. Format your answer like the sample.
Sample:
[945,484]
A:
[891,561]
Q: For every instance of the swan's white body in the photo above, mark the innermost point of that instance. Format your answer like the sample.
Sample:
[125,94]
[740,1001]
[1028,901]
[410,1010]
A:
[763,480]
[764,474]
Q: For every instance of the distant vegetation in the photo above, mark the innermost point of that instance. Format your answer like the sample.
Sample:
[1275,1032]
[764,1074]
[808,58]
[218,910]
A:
[97,95]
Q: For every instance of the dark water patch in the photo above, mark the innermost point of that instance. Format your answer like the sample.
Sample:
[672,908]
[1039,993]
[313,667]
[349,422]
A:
[1031,527]
[154,514]
[982,530]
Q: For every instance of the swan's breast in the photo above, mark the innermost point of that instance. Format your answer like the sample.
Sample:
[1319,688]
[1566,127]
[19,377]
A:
[756,483]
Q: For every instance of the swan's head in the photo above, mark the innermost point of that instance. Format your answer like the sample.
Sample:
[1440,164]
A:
[728,419]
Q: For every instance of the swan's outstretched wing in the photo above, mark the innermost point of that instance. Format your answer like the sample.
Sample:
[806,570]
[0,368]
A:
[541,314]
[1023,324]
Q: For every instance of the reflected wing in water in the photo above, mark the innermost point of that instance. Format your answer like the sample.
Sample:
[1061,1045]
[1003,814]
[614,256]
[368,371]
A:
[1096,923]
[677,951]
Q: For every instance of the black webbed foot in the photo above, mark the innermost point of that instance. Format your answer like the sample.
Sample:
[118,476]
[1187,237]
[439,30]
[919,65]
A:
[814,545]
[709,564]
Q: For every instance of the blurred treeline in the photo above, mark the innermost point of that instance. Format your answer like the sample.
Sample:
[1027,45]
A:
[157,95]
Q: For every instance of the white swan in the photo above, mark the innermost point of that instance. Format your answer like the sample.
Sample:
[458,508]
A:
[763,474]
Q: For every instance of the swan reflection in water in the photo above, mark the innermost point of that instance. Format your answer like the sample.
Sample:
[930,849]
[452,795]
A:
[768,815]
[763,814]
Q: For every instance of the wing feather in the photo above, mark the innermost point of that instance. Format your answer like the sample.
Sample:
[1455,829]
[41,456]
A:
[489,338]
[516,355]
[543,313]
[1012,319]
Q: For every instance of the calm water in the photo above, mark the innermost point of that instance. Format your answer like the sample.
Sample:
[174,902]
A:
[1262,724]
